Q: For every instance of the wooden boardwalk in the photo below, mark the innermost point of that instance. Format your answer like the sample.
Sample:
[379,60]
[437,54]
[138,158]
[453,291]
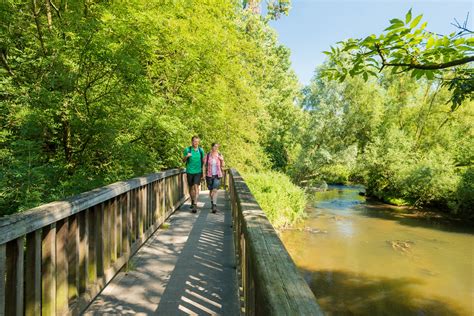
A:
[187,268]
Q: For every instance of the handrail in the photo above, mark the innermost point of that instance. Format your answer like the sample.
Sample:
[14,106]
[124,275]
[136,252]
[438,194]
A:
[270,280]
[56,258]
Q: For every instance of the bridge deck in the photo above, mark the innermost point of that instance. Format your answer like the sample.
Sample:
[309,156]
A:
[185,269]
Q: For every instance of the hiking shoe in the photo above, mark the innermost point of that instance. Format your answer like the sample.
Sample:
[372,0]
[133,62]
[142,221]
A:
[193,208]
[214,208]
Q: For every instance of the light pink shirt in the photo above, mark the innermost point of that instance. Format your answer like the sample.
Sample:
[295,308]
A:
[209,165]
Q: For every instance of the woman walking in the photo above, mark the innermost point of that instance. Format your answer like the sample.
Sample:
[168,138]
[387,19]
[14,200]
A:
[214,162]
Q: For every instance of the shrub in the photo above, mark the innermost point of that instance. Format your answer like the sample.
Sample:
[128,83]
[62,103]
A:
[465,194]
[282,201]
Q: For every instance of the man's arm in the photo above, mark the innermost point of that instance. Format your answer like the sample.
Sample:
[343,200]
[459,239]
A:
[186,155]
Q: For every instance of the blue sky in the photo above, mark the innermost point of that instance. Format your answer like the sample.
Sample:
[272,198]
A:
[314,25]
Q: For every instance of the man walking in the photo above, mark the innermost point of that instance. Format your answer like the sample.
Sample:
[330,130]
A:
[194,158]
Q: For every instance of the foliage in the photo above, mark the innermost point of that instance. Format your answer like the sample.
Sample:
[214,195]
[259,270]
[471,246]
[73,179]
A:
[282,201]
[396,134]
[465,194]
[406,46]
[92,92]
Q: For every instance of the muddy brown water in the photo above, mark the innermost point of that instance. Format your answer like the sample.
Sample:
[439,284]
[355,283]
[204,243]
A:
[363,258]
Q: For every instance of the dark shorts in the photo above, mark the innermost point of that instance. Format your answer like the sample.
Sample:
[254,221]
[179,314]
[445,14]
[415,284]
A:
[213,182]
[194,178]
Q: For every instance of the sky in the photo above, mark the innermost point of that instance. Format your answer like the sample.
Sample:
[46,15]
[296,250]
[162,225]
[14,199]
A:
[314,25]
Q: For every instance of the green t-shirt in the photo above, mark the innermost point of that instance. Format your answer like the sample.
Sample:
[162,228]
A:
[193,165]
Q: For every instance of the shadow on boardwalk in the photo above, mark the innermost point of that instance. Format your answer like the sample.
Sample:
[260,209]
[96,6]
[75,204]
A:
[186,269]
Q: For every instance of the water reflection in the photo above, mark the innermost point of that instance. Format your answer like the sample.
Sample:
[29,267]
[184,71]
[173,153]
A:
[369,259]
[348,293]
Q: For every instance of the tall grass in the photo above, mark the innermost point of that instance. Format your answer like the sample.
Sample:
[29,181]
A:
[282,201]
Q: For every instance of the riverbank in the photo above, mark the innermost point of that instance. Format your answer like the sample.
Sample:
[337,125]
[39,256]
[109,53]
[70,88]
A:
[409,211]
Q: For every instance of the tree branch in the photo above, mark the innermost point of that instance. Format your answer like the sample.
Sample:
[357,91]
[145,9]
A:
[449,64]
[55,8]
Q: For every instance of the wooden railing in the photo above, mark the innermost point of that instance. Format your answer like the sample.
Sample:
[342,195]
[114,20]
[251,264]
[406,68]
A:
[54,259]
[270,280]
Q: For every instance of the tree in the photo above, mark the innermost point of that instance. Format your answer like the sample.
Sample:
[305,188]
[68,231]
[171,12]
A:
[94,92]
[406,46]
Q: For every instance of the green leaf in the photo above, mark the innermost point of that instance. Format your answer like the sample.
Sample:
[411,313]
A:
[396,21]
[395,26]
[429,75]
[416,21]
[408,17]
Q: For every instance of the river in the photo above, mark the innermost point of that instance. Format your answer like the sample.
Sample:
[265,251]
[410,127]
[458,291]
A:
[366,258]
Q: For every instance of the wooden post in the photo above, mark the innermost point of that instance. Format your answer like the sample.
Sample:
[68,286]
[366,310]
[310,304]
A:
[15,277]
[48,271]
[33,273]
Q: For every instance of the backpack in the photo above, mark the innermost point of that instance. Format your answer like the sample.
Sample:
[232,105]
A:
[201,151]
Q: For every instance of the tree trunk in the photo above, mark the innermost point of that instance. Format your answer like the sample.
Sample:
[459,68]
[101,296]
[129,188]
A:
[36,13]
[48,14]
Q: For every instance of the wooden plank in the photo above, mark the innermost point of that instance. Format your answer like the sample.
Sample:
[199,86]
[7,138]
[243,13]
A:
[33,273]
[48,270]
[92,236]
[118,226]
[20,224]
[147,206]
[176,189]
[134,205]
[106,234]
[159,201]
[72,251]
[99,241]
[146,201]
[14,277]
[62,286]
[3,270]
[162,200]
[83,251]
[166,195]
[151,199]
[142,213]
[126,224]
[111,232]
